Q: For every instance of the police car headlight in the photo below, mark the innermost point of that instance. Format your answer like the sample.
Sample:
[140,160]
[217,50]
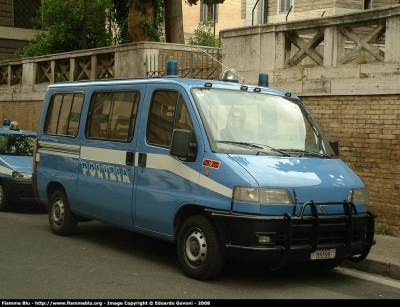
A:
[262,195]
[21,175]
[358,196]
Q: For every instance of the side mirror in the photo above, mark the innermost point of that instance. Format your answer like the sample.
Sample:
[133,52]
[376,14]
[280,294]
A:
[335,147]
[180,144]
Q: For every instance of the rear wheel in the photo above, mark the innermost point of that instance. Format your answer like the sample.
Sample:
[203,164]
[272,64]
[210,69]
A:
[4,204]
[62,221]
[199,248]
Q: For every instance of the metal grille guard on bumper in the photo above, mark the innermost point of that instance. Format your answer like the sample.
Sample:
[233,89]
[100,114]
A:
[349,216]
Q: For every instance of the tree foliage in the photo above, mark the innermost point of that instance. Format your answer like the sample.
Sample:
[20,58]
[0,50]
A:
[174,18]
[128,18]
[145,20]
[63,24]
[203,35]
[155,28]
[119,19]
[171,9]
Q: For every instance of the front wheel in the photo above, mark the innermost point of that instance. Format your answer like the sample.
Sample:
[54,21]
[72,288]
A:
[62,221]
[199,248]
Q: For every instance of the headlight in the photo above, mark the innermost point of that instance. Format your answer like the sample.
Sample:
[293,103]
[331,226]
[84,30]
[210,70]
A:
[262,195]
[358,196]
[21,175]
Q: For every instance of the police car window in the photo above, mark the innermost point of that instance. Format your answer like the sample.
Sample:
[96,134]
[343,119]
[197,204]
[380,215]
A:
[112,116]
[64,114]
[16,144]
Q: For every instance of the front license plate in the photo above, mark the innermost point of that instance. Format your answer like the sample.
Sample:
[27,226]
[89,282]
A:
[323,254]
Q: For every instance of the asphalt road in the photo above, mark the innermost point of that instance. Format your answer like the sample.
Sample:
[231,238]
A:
[104,262]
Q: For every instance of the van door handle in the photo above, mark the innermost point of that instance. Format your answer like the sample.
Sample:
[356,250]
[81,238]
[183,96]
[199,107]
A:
[142,159]
[129,158]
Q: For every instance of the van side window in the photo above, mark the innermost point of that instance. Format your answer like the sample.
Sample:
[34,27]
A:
[161,118]
[112,115]
[183,118]
[168,111]
[64,114]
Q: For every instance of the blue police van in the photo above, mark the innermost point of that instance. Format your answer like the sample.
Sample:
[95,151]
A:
[226,170]
[16,150]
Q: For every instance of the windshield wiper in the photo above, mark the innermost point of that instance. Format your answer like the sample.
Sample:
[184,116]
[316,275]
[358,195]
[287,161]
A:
[305,152]
[244,144]
[253,145]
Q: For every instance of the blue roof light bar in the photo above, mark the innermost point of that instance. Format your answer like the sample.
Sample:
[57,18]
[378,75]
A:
[263,80]
[172,69]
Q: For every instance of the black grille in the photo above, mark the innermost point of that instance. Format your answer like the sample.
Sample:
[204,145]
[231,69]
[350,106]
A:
[331,230]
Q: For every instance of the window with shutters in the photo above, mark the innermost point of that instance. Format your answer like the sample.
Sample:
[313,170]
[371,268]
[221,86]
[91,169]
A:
[208,12]
[24,11]
[284,6]
[367,4]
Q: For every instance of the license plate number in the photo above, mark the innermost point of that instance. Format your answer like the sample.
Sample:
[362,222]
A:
[323,254]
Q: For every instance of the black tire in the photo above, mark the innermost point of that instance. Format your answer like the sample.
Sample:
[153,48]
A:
[199,248]
[5,205]
[62,221]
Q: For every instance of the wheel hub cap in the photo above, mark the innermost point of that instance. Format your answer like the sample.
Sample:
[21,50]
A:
[58,212]
[196,248]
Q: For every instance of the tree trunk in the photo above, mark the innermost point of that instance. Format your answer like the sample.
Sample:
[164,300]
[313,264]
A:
[140,11]
[174,22]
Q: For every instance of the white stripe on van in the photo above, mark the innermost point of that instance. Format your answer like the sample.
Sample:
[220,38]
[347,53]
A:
[5,170]
[155,161]
[103,154]
[215,186]
[170,164]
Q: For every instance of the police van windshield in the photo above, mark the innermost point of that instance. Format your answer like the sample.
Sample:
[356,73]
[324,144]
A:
[17,144]
[259,123]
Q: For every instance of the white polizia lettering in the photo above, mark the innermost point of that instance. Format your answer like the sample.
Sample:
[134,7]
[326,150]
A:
[107,172]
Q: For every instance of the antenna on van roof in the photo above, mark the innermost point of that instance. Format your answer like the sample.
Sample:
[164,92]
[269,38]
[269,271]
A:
[227,71]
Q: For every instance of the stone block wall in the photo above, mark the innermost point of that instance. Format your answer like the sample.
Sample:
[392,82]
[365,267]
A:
[368,131]
[26,113]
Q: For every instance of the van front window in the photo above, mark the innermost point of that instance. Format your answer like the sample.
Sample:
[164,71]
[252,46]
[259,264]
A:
[259,123]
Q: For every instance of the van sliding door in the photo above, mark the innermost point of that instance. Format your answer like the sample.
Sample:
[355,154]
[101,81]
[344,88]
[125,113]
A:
[106,175]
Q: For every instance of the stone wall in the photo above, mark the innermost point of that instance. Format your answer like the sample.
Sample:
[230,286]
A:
[26,113]
[368,131]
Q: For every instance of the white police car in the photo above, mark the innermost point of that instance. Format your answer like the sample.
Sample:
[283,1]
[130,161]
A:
[16,148]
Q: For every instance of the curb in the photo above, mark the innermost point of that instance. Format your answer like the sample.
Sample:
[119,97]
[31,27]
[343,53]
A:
[375,266]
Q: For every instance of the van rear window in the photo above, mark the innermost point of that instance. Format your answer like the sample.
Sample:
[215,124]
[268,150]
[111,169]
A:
[64,114]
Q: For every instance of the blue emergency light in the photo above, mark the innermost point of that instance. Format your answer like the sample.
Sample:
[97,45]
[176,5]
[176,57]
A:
[263,80]
[172,69]
[6,122]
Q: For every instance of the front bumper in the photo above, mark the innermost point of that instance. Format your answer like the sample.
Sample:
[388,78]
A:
[294,238]
[18,190]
